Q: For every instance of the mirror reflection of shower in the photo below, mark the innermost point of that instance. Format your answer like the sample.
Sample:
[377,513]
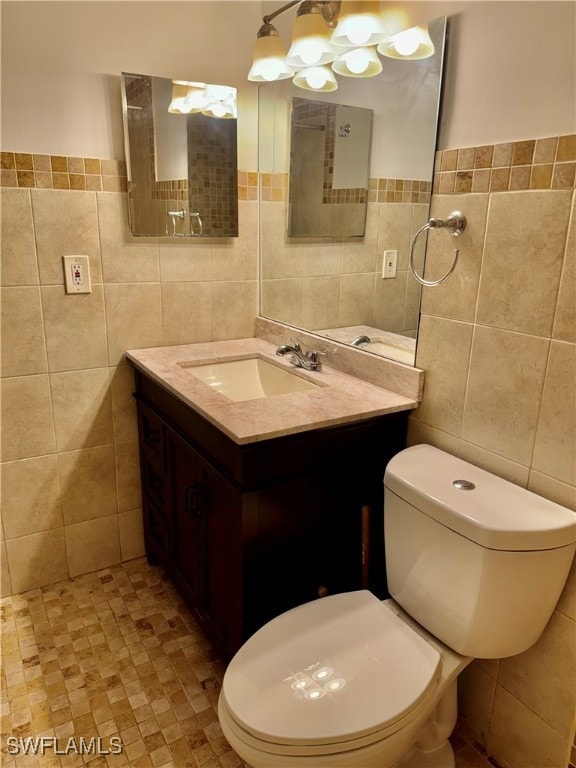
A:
[329,169]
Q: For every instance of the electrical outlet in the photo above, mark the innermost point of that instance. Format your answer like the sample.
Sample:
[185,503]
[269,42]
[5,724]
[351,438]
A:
[389,261]
[76,274]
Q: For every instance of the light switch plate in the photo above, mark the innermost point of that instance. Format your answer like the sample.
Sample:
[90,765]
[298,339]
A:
[76,274]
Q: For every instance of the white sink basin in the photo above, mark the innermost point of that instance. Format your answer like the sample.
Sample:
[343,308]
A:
[249,379]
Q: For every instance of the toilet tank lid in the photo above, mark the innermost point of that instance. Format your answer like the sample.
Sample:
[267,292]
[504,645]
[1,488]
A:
[496,513]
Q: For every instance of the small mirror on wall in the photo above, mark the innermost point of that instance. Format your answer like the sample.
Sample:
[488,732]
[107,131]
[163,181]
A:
[181,156]
[329,169]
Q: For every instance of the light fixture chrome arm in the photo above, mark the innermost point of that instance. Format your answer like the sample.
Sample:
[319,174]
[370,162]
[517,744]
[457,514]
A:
[269,16]
[328,8]
[456,223]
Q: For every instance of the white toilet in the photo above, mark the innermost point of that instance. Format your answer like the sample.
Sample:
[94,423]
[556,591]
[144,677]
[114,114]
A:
[475,566]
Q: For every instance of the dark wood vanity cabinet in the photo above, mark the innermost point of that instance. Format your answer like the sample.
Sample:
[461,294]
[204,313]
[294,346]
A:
[248,531]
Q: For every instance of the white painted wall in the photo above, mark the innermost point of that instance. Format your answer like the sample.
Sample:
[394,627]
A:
[61,64]
[510,75]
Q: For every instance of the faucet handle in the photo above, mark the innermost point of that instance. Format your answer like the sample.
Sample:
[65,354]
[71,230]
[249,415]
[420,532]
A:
[296,345]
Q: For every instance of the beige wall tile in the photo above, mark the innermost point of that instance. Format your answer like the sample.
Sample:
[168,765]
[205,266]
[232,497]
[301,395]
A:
[23,345]
[321,260]
[542,678]
[234,309]
[444,353]
[357,299]
[412,305]
[504,390]
[92,545]
[30,492]
[530,228]
[420,433]
[456,298]
[27,423]
[237,257]
[283,256]
[555,449]
[75,328]
[133,318]
[521,738]
[320,299]
[88,481]
[282,300]
[493,462]
[565,319]
[5,582]
[186,312]
[18,246]
[360,255]
[131,534]
[394,228]
[567,603]
[552,489]
[128,475]
[125,259]
[37,560]
[390,301]
[123,404]
[476,692]
[185,261]
[82,408]
[66,223]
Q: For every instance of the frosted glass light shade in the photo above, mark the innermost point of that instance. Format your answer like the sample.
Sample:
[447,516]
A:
[179,92]
[316,79]
[220,101]
[269,62]
[411,44]
[359,62]
[360,23]
[310,42]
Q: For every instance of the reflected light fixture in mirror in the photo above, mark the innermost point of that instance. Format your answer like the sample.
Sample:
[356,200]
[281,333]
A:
[211,100]
[347,35]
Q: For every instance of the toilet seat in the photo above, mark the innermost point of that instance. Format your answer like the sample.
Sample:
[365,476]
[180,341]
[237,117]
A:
[331,675]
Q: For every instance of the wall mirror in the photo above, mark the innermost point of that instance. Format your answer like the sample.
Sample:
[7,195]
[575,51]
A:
[329,169]
[181,156]
[332,283]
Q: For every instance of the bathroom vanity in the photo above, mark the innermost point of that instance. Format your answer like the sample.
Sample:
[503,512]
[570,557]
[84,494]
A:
[256,506]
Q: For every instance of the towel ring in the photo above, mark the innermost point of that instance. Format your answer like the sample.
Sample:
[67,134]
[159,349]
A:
[456,223]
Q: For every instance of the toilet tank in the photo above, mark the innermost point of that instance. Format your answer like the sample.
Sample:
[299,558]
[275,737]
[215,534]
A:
[475,559]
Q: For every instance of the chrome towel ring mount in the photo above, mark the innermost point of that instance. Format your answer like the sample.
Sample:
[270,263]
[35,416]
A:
[456,223]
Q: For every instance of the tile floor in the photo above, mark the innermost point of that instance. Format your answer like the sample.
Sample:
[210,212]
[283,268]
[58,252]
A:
[115,655]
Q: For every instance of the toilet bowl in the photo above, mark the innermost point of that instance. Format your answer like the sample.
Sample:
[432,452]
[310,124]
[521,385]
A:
[475,567]
[375,678]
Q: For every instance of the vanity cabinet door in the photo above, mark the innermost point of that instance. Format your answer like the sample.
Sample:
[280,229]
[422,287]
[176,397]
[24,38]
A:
[188,491]
[224,561]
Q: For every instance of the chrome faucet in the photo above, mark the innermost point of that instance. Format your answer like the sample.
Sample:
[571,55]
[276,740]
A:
[307,360]
[360,340]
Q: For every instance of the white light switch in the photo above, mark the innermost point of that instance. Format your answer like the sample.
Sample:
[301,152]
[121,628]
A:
[389,264]
[76,274]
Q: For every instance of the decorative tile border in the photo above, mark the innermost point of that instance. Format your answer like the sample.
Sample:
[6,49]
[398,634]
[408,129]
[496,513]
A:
[19,169]
[399,191]
[548,163]
[275,189]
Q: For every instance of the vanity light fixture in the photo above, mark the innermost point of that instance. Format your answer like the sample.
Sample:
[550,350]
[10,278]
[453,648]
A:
[211,100]
[411,44]
[340,33]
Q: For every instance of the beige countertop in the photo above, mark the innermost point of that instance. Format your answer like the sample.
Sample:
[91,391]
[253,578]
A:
[341,399]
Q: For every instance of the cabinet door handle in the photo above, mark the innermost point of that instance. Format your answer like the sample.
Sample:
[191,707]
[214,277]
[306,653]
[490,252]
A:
[194,499]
